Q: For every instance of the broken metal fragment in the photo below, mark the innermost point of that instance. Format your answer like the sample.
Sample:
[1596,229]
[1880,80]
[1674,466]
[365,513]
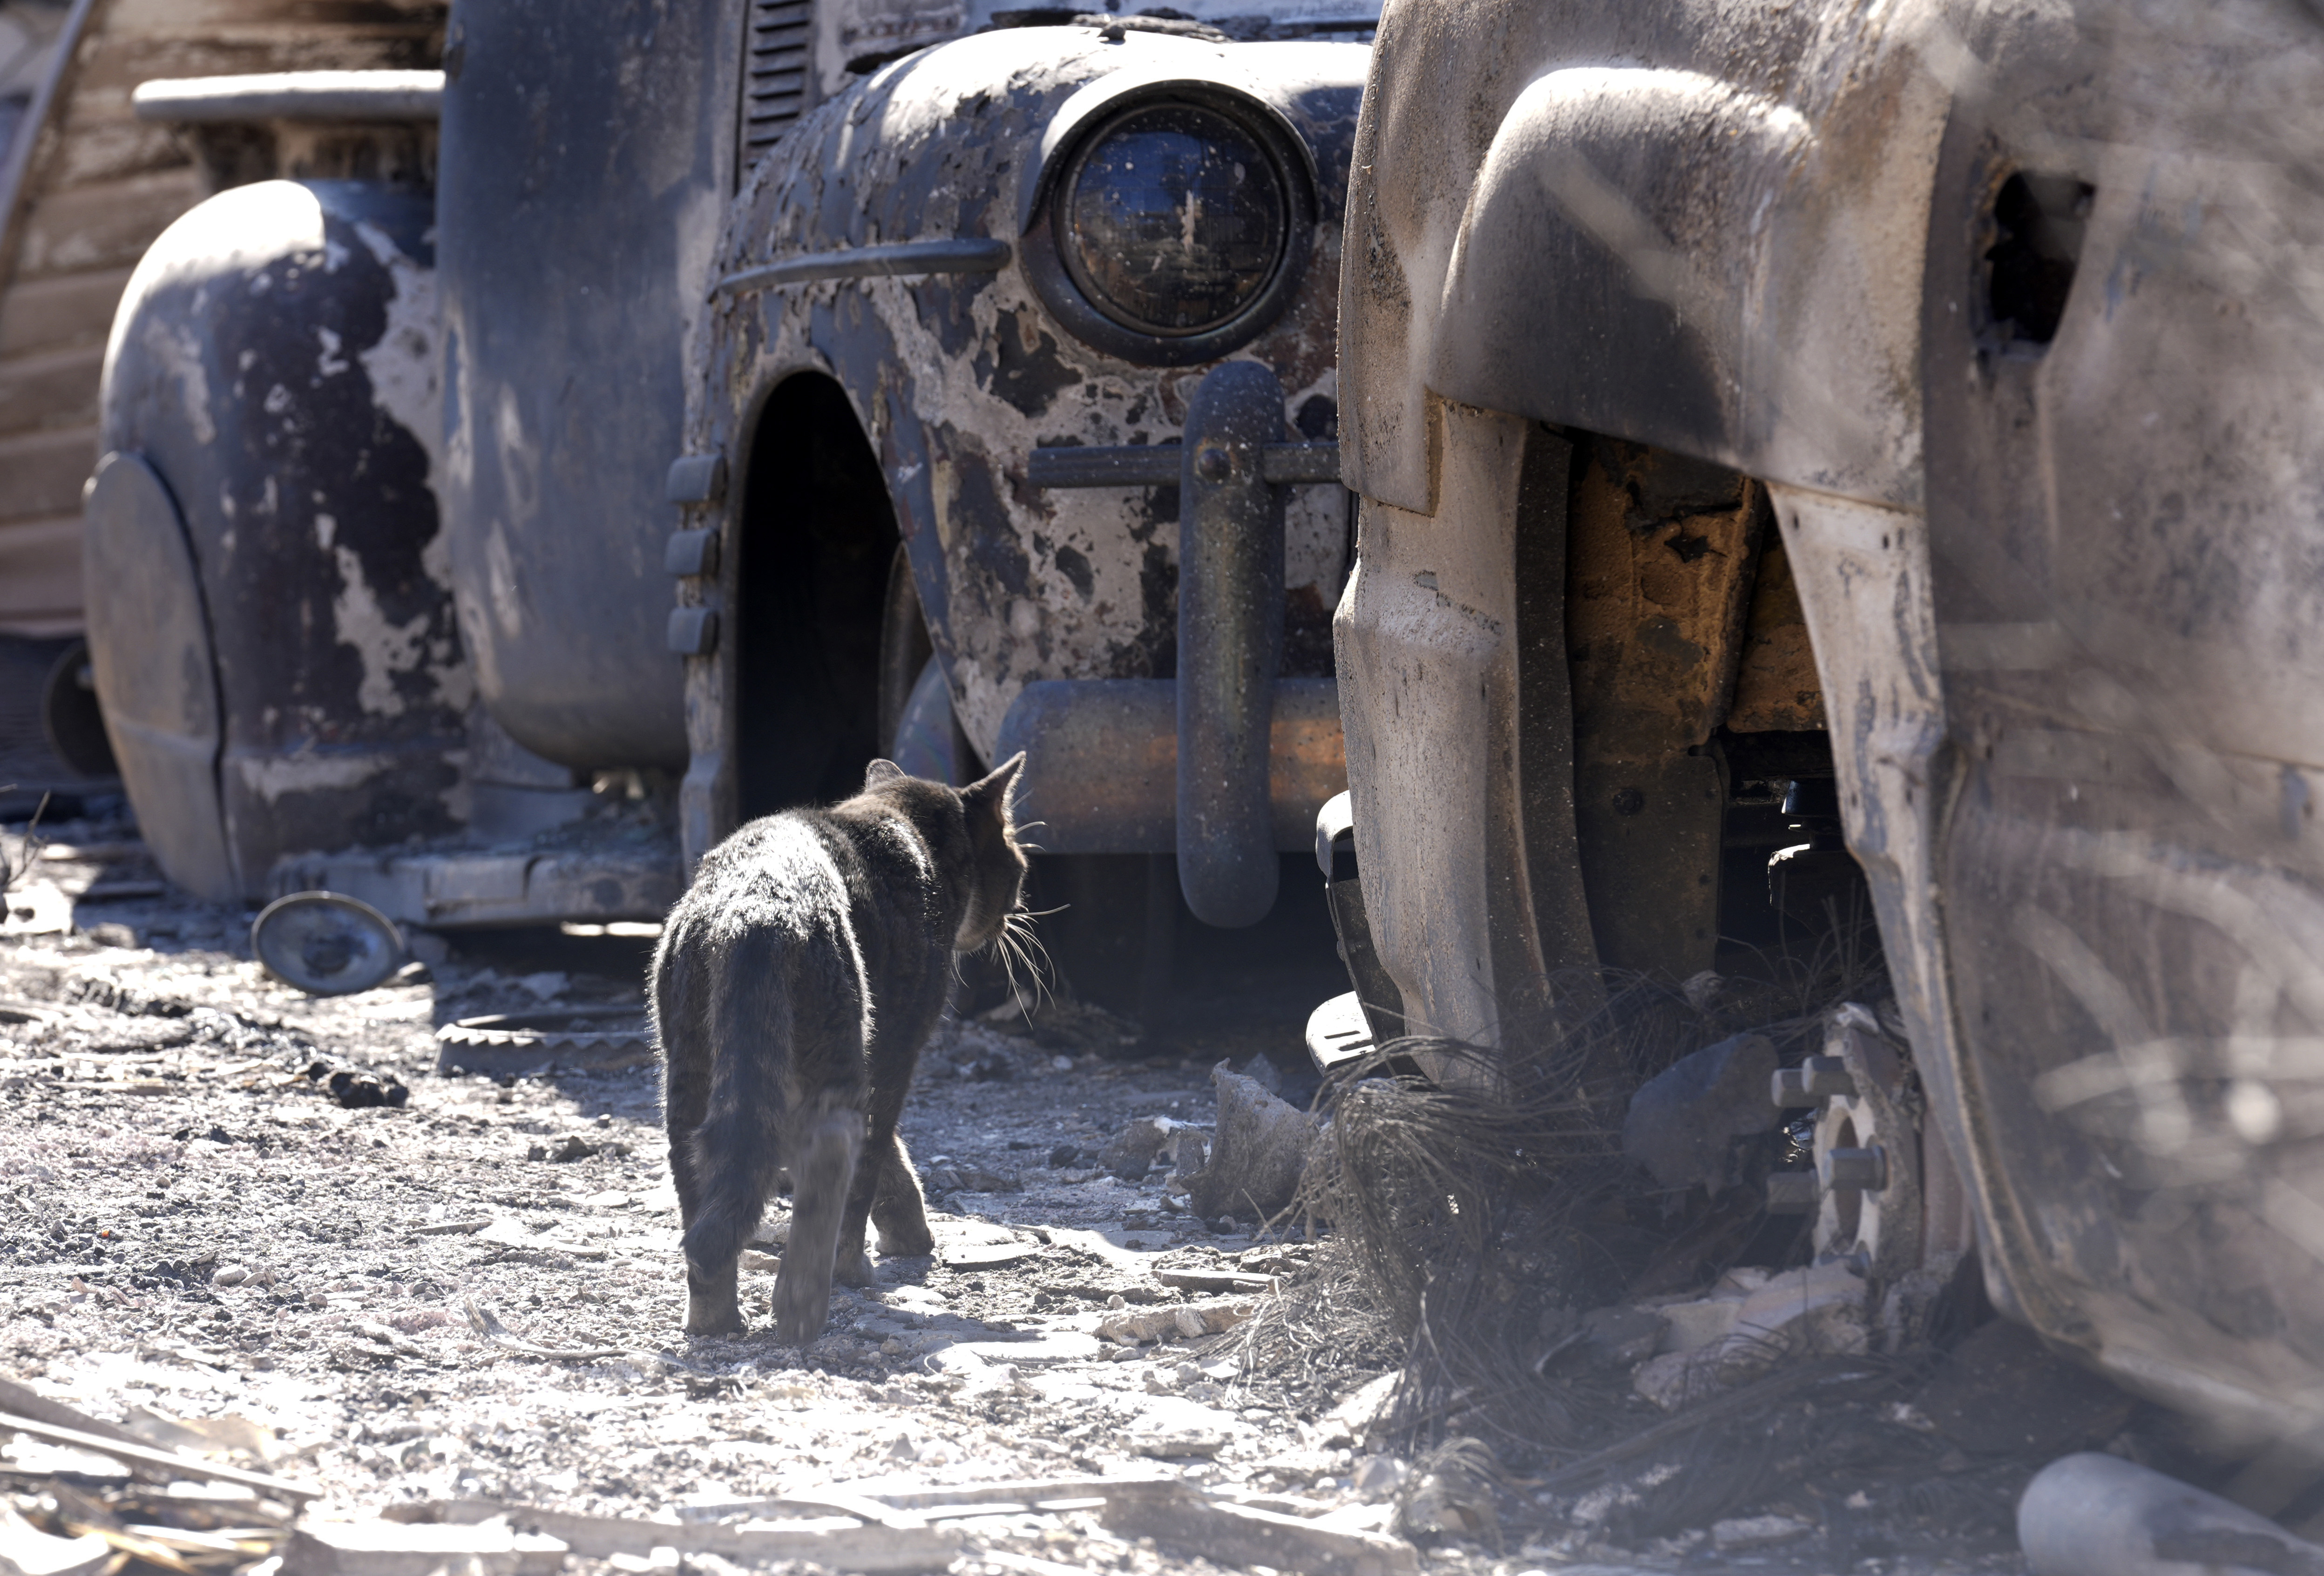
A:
[1684,1123]
[2094,1515]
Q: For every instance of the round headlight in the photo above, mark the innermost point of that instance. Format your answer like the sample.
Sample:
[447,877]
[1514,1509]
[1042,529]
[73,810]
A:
[1173,218]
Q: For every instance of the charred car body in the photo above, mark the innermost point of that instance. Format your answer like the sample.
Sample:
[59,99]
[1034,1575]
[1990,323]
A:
[1960,349]
[1024,297]
[382,543]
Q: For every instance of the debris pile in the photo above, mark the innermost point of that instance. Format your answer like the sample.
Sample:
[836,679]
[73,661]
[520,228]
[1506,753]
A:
[1262,1150]
[88,1498]
[1603,1297]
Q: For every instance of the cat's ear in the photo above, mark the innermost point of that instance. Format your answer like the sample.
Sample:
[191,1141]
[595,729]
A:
[880,771]
[998,788]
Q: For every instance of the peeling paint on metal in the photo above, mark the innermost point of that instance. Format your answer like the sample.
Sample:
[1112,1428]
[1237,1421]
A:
[957,381]
[405,371]
[270,776]
[384,648]
[175,348]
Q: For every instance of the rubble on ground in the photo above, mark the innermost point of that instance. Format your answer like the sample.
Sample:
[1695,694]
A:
[1257,1157]
[454,1318]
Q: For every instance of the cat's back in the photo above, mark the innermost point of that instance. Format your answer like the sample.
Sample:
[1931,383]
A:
[781,872]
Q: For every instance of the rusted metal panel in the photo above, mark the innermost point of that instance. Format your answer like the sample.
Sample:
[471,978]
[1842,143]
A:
[1659,554]
[1100,769]
[1776,689]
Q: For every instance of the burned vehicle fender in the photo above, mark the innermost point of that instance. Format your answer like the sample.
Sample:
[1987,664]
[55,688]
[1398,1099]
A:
[892,287]
[1654,250]
[2051,527]
[271,619]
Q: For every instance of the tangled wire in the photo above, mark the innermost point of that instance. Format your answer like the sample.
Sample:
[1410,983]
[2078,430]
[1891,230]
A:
[1481,1205]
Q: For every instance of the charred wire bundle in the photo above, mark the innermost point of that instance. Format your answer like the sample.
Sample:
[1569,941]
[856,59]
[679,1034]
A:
[1487,1207]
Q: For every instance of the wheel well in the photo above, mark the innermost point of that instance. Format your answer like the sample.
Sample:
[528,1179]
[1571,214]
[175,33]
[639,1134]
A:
[818,533]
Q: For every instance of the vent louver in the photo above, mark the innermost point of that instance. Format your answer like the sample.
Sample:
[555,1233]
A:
[775,59]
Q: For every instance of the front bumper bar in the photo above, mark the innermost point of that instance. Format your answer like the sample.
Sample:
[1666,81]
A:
[1102,763]
[1230,470]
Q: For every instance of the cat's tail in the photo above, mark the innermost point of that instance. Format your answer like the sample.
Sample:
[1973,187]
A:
[736,1154]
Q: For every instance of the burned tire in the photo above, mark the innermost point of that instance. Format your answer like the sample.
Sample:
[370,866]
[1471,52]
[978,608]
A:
[1114,929]
[506,1044]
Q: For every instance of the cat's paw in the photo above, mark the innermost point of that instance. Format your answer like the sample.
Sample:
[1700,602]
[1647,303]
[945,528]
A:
[799,1315]
[713,1305]
[706,1317]
[854,1269]
[904,1236]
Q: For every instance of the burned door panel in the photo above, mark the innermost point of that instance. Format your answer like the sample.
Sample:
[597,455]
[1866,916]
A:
[2124,439]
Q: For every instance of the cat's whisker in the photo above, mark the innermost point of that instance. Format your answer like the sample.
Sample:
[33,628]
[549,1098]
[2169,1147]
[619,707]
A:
[1019,938]
[1004,948]
[1005,951]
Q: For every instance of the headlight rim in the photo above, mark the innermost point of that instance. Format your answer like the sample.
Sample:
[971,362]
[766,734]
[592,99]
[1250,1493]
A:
[1042,246]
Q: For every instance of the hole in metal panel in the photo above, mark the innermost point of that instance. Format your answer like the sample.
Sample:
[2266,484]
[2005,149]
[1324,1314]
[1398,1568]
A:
[2038,225]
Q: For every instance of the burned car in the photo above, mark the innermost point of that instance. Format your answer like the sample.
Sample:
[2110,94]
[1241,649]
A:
[963,317]
[1907,414]
[382,542]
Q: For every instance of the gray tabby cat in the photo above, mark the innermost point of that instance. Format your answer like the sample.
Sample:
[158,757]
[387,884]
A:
[794,984]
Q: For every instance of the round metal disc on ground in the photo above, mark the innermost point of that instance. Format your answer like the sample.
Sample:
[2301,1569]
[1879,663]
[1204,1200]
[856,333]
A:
[602,1041]
[324,943]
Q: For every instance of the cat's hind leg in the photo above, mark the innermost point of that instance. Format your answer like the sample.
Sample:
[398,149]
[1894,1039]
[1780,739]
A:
[898,1209]
[887,1192]
[823,1159]
[885,1189]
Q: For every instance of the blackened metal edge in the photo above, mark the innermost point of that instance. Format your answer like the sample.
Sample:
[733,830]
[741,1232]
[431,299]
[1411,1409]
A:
[320,95]
[904,258]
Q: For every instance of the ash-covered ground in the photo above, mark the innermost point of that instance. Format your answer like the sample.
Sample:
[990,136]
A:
[191,1226]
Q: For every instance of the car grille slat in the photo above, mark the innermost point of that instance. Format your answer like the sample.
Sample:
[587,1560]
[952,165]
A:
[774,71]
